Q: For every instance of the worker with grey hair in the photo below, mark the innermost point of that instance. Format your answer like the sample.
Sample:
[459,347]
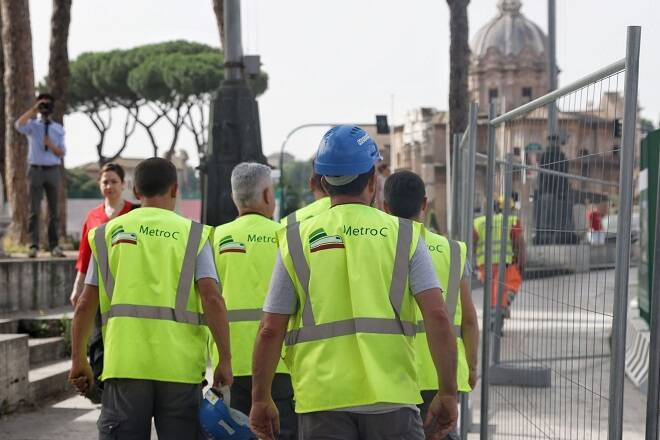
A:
[245,253]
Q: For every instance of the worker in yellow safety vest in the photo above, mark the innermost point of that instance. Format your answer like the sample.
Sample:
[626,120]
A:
[320,204]
[153,275]
[245,252]
[342,298]
[405,197]
[515,252]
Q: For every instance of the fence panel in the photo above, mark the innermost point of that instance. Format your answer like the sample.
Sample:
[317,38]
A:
[553,249]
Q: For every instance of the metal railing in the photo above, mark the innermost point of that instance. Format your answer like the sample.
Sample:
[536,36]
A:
[555,287]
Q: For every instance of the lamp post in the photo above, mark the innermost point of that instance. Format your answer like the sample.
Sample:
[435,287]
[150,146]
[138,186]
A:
[234,131]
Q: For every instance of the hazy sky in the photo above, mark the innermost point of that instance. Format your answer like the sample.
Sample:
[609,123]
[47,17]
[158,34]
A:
[342,60]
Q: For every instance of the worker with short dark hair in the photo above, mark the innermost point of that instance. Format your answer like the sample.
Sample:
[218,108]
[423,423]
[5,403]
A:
[152,273]
[405,197]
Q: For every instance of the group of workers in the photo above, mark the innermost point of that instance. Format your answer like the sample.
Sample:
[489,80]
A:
[340,322]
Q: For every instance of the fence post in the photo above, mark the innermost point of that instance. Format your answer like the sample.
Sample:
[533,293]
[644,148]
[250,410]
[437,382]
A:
[501,269]
[617,367]
[466,236]
[470,174]
[653,400]
[455,190]
[485,344]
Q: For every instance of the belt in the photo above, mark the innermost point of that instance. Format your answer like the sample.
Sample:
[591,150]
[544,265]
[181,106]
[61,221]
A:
[44,167]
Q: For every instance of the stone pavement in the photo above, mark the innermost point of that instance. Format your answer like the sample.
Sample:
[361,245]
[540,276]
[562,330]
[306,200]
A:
[561,323]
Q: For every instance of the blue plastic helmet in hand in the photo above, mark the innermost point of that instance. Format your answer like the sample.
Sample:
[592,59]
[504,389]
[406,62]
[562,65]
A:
[219,422]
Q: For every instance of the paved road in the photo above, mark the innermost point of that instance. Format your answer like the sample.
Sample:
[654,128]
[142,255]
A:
[559,323]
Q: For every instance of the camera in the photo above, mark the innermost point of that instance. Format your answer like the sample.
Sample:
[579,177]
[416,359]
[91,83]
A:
[46,108]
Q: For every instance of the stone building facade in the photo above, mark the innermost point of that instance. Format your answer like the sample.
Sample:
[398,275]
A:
[509,66]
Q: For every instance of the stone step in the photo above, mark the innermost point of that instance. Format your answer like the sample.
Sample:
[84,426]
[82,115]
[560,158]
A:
[44,350]
[44,326]
[49,380]
[8,325]
[14,367]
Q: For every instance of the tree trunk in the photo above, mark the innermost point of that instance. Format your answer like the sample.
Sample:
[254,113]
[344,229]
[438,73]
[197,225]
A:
[459,63]
[3,193]
[19,96]
[58,83]
[218,8]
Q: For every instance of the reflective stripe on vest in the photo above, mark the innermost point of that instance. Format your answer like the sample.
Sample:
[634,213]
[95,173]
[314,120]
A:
[453,289]
[103,262]
[244,315]
[302,269]
[310,331]
[291,218]
[180,312]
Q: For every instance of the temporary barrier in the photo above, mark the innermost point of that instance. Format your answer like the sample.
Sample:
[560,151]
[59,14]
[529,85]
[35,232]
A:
[553,253]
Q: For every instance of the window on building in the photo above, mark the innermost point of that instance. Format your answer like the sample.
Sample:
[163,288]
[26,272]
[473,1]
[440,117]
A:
[526,94]
[516,151]
[492,95]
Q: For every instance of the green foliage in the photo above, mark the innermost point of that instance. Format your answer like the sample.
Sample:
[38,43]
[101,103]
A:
[65,328]
[296,185]
[647,126]
[175,76]
[154,72]
[80,185]
[191,188]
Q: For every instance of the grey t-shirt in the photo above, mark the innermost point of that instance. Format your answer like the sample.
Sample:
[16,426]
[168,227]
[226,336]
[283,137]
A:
[204,267]
[282,299]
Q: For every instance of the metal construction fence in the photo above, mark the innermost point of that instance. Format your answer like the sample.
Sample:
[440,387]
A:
[546,211]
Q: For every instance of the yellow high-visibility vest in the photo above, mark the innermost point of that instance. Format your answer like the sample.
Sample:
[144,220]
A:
[314,208]
[351,341]
[151,313]
[245,253]
[449,262]
[480,228]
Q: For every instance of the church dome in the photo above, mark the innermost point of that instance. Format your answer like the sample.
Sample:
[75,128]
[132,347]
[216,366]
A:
[509,32]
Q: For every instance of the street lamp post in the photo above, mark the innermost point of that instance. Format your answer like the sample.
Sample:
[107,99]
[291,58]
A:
[234,130]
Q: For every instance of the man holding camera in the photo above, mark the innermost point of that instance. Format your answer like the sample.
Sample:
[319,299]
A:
[46,150]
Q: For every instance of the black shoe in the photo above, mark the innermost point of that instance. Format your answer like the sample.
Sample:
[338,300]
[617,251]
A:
[32,253]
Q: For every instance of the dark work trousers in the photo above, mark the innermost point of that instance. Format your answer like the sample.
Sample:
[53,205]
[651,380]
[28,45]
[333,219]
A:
[130,404]
[401,424]
[282,391]
[43,179]
[427,396]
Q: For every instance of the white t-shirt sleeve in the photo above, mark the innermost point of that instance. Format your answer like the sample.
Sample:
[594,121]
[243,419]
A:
[281,297]
[421,271]
[92,275]
[205,265]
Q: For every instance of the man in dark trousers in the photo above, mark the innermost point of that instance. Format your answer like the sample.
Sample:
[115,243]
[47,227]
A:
[152,273]
[46,150]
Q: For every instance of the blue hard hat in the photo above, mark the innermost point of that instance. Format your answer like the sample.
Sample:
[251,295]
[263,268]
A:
[220,422]
[346,150]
